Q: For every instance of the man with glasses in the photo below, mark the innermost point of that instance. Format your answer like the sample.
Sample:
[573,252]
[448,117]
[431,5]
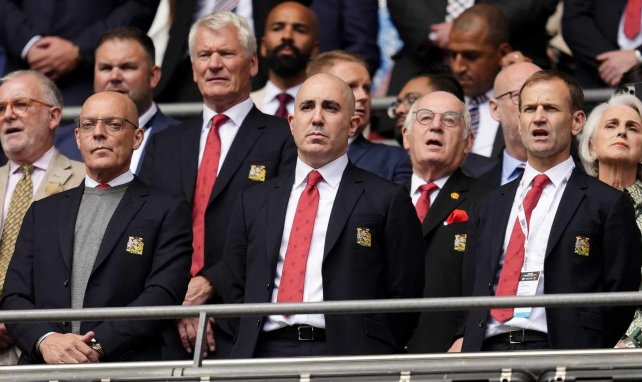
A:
[30,111]
[504,109]
[437,135]
[112,241]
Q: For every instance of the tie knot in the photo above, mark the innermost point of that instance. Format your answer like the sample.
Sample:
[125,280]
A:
[284,97]
[102,186]
[314,177]
[541,180]
[218,120]
[475,101]
[428,187]
[27,169]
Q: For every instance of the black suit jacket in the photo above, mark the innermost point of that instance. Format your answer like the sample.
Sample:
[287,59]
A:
[39,272]
[444,261]
[590,28]
[588,208]
[390,268]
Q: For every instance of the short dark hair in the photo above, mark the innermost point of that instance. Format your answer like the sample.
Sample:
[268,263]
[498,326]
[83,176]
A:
[497,26]
[574,89]
[131,33]
[445,82]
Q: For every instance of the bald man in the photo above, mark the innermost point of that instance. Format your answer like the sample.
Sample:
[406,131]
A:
[505,110]
[76,247]
[362,240]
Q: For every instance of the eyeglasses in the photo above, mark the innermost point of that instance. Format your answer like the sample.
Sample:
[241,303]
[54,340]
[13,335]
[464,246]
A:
[514,96]
[20,105]
[448,119]
[111,124]
[409,99]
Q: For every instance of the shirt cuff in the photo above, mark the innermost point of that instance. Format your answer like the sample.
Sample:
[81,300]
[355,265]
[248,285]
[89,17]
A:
[28,46]
[40,341]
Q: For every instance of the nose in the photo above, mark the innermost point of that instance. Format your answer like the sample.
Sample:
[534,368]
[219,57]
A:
[457,63]
[115,75]
[621,130]
[435,124]
[214,61]
[317,116]
[9,113]
[99,130]
[286,33]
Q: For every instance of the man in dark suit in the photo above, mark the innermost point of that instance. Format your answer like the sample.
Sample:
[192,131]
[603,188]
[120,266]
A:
[233,141]
[58,38]
[75,248]
[325,231]
[602,48]
[504,109]
[563,232]
[388,162]
[125,63]
[438,137]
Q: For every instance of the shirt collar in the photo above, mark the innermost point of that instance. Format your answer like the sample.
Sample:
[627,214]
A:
[556,174]
[509,164]
[117,181]
[271,90]
[416,181]
[147,116]
[41,163]
[331,172]
[236,113]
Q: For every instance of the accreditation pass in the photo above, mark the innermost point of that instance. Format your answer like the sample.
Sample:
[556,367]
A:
[527,287]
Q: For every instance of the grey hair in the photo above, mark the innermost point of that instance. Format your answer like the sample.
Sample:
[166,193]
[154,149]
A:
[50,91]
[407,123]
[219,20]
[589,161]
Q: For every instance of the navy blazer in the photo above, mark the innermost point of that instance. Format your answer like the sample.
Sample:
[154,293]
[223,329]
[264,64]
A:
[445,246]
[158,274]
[390,265]
[588,208]
[65,140]
[389,162]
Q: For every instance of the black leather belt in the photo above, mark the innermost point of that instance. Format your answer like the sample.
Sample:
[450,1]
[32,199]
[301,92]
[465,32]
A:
[296,333]
[518,337]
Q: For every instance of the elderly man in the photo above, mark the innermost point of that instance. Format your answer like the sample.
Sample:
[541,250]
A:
[561,231]
[30,111]
[503,108]
[211,159]
[290,40]
[125,63]
[438,137]
[325,231]
[74,247]
[388,162]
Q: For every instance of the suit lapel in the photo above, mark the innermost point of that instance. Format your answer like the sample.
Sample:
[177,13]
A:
[349,192]
[573,195]
[276,210]
[57,174]
[68,212]
[4,180]
[251,129]
[444,203]
[499,222]
[189,147]
[130,204]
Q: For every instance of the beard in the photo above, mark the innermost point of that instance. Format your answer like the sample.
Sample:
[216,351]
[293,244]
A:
[286,66]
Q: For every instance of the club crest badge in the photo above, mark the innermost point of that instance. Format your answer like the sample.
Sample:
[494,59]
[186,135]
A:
[582,245]
[257,173]
[135,245]
[364,237]
[460,242]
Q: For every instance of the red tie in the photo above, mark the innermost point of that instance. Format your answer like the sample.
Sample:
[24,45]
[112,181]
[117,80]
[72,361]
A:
[102,186]
[509,277]
[296,255]
[423,204]
[632,14]
[204,185]
[284,99]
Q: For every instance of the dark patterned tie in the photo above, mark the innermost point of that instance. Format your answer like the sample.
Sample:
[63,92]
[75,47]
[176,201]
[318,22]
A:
[284,99]
[20,201]
[473,109]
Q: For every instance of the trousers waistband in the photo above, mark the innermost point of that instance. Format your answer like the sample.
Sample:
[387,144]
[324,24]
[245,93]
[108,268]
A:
[296,333]
[518,336]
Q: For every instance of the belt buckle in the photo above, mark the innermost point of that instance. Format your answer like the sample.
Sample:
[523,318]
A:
[307,334]
[510,336]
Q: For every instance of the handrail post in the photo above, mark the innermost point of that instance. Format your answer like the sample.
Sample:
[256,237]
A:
[200,339]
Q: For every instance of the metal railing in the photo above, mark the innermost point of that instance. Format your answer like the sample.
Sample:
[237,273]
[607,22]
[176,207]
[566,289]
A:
[366,366]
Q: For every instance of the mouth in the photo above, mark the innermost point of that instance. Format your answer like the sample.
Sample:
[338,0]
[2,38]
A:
[621,144]
[99,149]
[12,130]
[116,89]
[540,133]
[434,143]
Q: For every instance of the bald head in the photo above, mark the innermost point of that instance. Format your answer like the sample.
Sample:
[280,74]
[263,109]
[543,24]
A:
[332,83]
[512,75]
[119,101]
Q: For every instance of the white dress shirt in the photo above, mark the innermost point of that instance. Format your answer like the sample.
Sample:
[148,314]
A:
[142,121]
[539,230]
[313,285]
[416,181]
[121,179]
[226,131]
[488,129]
[271,104]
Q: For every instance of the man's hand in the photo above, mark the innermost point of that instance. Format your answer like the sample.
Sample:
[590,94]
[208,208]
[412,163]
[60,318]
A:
[439,34]
[68,348]
[513,58]
[614,64]
[53,56]
[199,291]
[188,330]
[456,346]
[5,340]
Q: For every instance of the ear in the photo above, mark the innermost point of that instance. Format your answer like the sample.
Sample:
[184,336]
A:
[579,118]
[504,49]
[254,65]
[56,116]
[262,48]
[154,79]
[494,109]
[354,125]
[406,138]
[290,119]
[77,134]
[469,143]
[315,49]
[139,134]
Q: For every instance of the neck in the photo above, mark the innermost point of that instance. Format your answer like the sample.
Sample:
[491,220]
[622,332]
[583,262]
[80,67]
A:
[106,176]
[284,83]
[432,174]
[617,176]
[516,151]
